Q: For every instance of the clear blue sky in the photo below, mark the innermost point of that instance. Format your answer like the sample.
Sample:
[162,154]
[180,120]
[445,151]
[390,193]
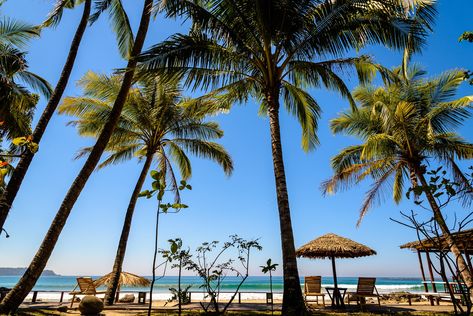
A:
[244,204]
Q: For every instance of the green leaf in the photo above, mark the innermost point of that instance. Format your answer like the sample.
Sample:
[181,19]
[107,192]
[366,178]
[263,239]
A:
[189,187]
[155,174]
[155,185]
[173,247]
[144,193]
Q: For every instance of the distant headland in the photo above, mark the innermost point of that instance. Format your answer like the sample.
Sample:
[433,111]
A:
[21,271]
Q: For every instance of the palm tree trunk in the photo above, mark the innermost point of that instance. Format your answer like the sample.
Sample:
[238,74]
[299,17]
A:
[460,261]
[155,255]
[19,173]
[14,298]
[293,302]
[120,256]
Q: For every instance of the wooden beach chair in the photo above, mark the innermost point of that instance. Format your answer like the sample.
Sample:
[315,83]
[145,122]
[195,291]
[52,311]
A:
[366,288]
[86,287]
[313,287]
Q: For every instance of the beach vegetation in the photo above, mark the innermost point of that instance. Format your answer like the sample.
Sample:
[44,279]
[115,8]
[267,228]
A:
[18,85]
[212,268]
[124,34]
[404,126]
[269,268]
[16,296]
[445,191]
[180,259]
[159,188]
[13,186]
[272,52]
[158,125]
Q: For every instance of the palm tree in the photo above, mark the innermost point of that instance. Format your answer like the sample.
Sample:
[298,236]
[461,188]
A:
[270,267]
[14,298]
[125,42]
[273,51]
[17,102]
[156,125]
[403,126]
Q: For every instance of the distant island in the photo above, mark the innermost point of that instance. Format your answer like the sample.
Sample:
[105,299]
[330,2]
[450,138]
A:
[21,271]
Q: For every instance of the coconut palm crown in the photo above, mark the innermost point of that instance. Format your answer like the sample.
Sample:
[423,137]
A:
[17,83]
[156,120]
[402,126]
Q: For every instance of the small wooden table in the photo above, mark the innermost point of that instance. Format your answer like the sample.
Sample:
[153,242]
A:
[337,295]
[142,297]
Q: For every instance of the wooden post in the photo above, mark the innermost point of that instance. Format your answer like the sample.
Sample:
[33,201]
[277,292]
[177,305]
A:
[35,295]
[432,279]
[422,271]
[239,298]
[337,299]
[62,297]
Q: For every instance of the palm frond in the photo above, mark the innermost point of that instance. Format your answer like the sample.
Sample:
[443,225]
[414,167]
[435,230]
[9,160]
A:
[120,23]
[306,109]
[55,15]
[36,82]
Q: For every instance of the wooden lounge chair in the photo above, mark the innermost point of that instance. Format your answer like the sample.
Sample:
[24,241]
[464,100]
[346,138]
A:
[366,288]
[313,287]
[86,287]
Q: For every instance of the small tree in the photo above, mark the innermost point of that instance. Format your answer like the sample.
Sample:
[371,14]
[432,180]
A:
[181,259]
[428,232]
[213,272]
[159,188]
[269,267]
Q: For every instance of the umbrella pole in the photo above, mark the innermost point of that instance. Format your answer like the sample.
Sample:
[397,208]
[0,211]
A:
[336,293]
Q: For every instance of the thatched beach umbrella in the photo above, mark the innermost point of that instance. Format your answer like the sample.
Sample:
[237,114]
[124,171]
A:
[333,246]
[126,279]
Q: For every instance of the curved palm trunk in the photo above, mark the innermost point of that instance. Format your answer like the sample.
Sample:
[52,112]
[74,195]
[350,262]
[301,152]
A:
[293,302]
[461,263]
[19,173]
[120,256]
[14,298]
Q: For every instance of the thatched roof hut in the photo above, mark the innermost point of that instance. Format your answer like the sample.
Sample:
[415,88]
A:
[332,245]
[463,239]
[126,279]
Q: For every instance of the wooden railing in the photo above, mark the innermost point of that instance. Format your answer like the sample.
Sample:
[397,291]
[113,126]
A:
[143,294]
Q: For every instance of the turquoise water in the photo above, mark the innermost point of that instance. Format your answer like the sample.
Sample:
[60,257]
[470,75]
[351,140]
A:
[252,284]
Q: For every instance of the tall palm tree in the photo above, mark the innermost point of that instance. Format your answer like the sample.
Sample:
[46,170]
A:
[14,298]
[155,126]
[17,102]
[403,126]
[121,27]
[273,51]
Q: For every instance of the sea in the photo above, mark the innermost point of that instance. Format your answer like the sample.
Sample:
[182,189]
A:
[49,287]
